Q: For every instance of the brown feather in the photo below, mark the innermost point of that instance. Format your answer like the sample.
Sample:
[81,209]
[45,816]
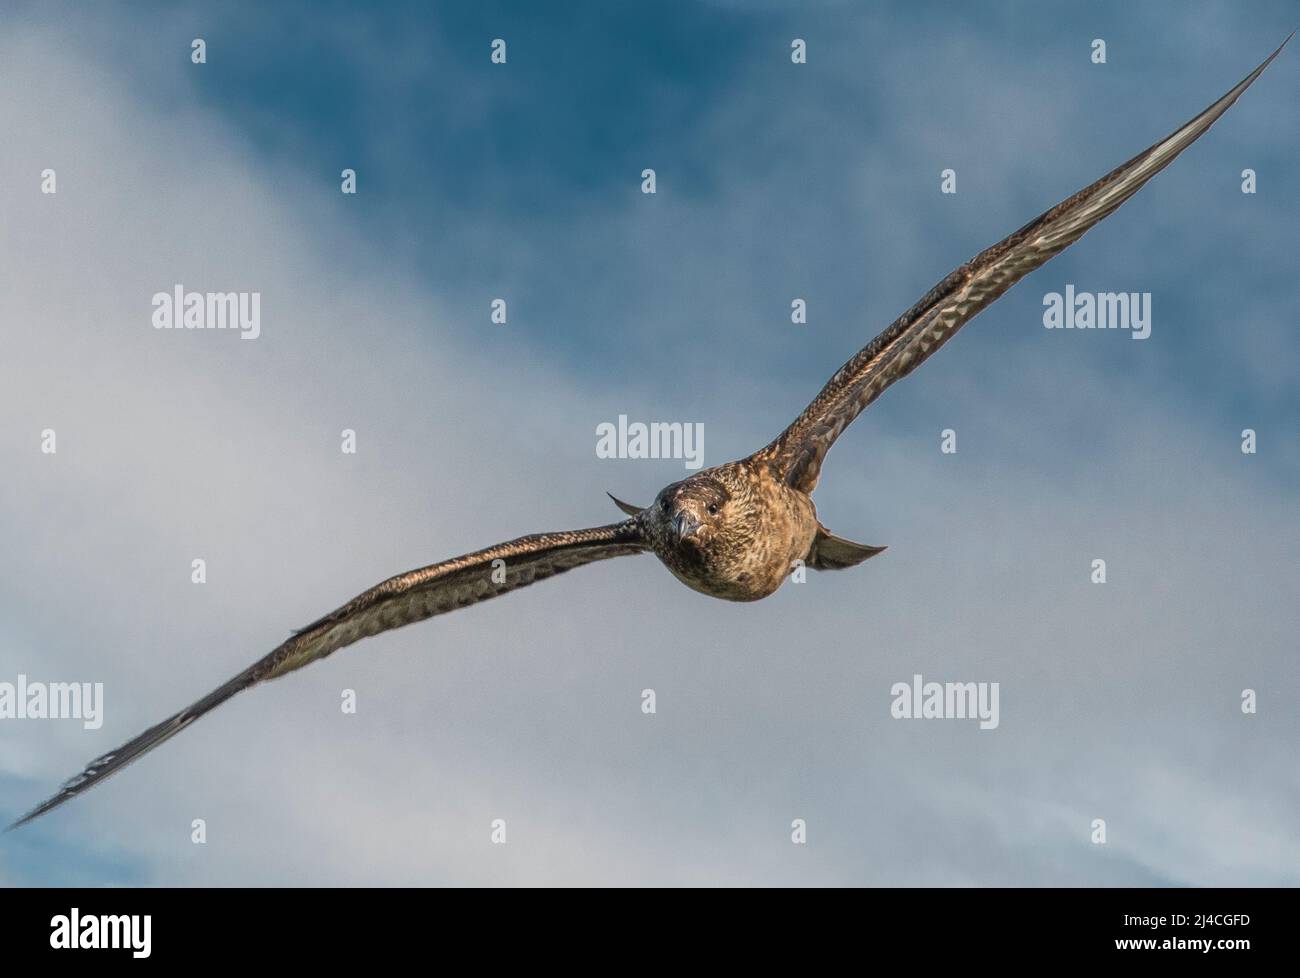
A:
[398,601]
[796,455]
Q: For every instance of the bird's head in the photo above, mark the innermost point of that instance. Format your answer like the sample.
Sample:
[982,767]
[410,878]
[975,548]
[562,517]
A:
[690,512]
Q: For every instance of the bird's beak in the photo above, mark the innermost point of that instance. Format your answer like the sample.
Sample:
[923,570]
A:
[684,525]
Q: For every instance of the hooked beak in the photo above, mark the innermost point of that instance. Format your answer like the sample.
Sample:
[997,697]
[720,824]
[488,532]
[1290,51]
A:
[684,525]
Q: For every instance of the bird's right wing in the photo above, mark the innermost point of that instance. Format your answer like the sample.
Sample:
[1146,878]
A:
[797,453]
[398,601]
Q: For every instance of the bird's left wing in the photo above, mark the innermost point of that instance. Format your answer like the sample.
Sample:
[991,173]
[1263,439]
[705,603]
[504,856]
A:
[398,601]
[797,453]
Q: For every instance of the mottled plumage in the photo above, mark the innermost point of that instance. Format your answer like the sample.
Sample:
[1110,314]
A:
[797,452]
[733,531]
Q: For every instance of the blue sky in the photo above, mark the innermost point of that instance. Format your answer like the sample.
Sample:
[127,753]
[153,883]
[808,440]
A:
[775,181]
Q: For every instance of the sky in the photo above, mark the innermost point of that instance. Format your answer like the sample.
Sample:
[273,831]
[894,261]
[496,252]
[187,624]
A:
[476,181]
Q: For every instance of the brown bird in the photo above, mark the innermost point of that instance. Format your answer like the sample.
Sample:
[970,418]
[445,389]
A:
[734,531]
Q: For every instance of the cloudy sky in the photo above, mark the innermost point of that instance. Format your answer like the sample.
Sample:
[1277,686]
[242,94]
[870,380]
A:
[522,181]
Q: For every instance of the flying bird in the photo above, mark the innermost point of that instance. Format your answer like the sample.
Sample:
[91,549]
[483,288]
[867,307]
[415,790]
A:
[733,531]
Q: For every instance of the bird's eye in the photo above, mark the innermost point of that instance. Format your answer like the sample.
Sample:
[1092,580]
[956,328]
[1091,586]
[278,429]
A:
[713,509]
[663,504]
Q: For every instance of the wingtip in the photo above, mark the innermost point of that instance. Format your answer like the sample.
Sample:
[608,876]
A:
[1249,80]
[30,816]
[1276,52]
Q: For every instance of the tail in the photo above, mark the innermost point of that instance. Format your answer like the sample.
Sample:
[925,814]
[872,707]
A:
[829,552]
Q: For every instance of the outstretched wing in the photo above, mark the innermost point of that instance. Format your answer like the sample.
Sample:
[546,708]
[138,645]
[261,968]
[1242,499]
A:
[796,455]
[398,601]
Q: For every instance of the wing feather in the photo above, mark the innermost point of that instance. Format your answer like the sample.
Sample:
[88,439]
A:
[797,453]
[398,601]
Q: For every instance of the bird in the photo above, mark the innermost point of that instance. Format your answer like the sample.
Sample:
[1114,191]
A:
[734,531]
